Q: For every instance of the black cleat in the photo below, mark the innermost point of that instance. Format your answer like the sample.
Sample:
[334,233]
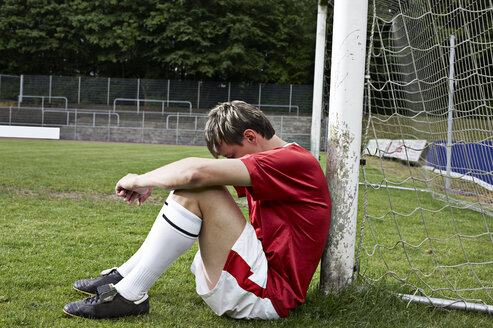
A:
[107,303]
[90,286]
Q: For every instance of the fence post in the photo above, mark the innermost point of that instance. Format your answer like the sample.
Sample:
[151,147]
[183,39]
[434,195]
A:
[167,94]
[108,92]
[21,90]
[229,91]
[259,95]
[198,95]
[290,96]
[78,93]
[138,96]
[50,87]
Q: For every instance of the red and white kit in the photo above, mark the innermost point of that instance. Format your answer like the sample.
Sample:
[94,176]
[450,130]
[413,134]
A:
[270,267]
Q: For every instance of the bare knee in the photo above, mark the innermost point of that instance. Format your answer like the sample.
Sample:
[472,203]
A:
[188,200]
[192,198]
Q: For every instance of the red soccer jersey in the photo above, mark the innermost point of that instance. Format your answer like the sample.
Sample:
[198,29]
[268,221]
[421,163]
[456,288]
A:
[289,207]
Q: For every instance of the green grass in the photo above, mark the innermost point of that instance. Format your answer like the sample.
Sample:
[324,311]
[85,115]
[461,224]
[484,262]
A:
[59,222]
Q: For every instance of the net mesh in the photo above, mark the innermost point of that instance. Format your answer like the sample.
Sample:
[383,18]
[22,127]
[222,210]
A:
[428,146]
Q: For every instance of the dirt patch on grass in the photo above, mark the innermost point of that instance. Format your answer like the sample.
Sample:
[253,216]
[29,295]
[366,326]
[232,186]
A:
[24,192]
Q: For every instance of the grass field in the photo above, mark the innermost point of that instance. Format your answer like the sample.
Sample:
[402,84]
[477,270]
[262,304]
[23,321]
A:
[60,222]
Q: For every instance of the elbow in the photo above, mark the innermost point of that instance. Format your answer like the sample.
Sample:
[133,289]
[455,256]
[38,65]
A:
[194,178]
[194,173]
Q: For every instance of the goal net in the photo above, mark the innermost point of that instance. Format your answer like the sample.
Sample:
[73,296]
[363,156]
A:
[427,183]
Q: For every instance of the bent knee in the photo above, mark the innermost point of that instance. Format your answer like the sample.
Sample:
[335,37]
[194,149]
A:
[188,201]
[194,199]
[191,198]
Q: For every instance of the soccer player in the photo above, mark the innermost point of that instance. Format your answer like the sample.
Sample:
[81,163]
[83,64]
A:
[255,270]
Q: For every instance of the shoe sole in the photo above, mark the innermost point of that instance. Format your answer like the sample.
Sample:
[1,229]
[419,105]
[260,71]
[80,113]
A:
[73,315]
[83,292]
[78,316]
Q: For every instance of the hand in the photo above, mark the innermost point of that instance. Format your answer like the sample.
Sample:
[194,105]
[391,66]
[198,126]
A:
[127,188]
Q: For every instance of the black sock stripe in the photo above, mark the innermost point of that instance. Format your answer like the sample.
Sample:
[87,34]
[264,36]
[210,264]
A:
[178,228]
[166,203]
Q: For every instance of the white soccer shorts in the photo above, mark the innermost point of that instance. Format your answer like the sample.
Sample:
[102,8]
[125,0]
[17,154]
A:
[240,292]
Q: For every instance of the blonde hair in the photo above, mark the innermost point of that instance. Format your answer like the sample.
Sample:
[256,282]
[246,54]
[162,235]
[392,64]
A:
[227,122]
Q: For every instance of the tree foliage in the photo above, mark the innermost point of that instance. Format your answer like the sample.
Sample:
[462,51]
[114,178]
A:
[226,40]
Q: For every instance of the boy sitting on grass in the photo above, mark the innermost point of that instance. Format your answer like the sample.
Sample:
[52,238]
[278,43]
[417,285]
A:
[255,270]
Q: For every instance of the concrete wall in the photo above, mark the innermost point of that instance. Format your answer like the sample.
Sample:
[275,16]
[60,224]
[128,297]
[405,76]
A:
[289,128]
[148,127]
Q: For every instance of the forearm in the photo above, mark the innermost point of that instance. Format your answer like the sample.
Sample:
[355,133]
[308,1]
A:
[177,175]
[189,173]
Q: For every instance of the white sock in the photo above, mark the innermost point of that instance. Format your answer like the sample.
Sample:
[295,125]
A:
[173,233]
[128,266]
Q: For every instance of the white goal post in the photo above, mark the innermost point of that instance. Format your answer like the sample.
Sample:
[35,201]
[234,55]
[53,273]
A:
[412,95]
[344,140]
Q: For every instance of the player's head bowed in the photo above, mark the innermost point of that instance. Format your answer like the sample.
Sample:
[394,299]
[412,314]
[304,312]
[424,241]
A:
[227,122]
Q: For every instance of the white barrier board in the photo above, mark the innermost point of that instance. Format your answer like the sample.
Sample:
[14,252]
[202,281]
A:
[29,132]
[407,150]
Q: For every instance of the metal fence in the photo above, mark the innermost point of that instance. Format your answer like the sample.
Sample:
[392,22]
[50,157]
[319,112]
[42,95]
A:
[143,110]
[180,128]
[91,92]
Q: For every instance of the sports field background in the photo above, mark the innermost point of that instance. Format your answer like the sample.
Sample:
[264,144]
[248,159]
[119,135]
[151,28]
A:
[59,222]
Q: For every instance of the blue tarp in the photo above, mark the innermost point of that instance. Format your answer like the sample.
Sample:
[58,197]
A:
[469,159]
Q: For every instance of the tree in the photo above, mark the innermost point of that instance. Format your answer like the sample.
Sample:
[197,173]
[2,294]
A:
[35,37]
[234,39]
[110,36]
[225,40]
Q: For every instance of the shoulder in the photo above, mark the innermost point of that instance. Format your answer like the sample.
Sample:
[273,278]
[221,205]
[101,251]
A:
[289,155]
[293,153]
